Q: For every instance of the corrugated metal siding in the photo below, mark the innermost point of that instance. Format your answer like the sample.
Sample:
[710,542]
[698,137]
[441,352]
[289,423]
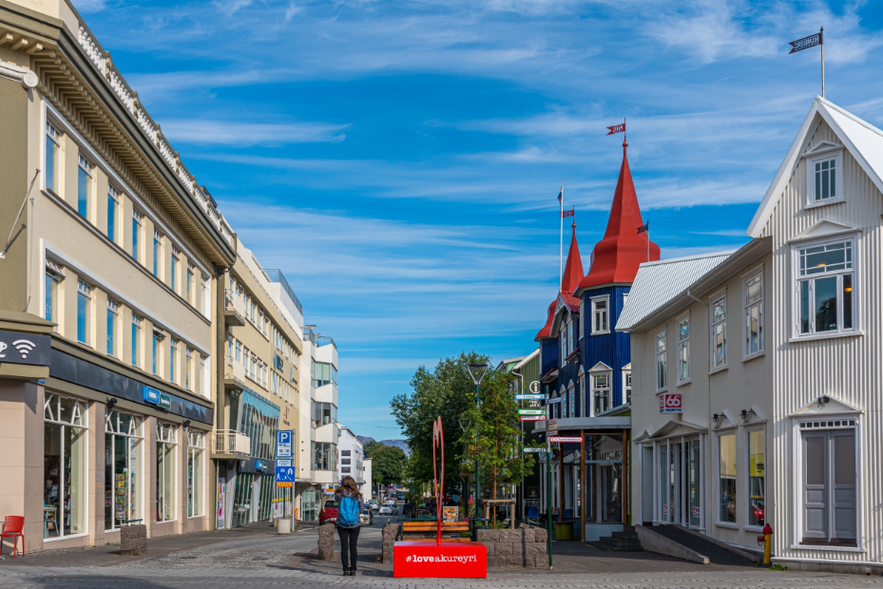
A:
[847,369]
[613,349]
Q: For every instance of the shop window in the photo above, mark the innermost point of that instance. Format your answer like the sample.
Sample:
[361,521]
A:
[195,458]
[65,482]
[756,479]
[123,474]
[727,478]
[53,151]
[166,445]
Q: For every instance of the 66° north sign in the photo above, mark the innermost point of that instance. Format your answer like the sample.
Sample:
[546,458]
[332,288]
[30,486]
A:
[671,403]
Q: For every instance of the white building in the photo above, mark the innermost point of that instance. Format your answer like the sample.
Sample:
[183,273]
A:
[367,473]
[351,456]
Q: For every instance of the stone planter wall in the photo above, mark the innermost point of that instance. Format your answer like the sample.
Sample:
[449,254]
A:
[515,548]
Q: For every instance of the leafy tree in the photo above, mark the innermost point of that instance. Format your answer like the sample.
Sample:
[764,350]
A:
[388,463]
[494,436]
[447,392]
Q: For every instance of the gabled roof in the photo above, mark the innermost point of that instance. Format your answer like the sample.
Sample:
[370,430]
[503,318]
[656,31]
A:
[617,256]
[546,331]
[659,282]
[863,140]
[573,272]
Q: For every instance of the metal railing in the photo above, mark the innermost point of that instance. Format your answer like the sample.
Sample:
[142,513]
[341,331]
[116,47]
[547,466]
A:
[230,441]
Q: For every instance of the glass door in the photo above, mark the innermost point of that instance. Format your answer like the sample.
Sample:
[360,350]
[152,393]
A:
[693,482]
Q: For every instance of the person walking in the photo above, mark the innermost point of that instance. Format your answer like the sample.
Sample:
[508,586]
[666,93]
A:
[350,501]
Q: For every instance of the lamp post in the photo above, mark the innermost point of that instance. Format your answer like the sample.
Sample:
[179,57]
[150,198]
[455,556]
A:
[477,372]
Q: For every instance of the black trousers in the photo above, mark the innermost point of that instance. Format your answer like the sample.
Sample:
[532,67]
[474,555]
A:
[349,555]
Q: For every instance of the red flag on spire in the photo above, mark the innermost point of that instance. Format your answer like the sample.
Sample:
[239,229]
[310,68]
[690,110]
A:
[617,129]
[567,213]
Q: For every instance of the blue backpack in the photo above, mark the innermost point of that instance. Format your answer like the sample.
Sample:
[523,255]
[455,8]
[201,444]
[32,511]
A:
[348,514]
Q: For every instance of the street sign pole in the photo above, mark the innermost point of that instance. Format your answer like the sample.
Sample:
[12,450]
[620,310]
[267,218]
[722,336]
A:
[548,480]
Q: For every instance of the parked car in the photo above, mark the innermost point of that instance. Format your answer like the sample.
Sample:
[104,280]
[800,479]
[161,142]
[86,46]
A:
[400,496]
[366,517]
[374,505]
[329,511]
[389,509]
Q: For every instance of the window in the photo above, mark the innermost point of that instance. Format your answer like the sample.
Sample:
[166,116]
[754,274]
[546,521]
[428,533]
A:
[562,340]
[136,234]
[113,310]
[165,471]
[157,253]
[189,283]
[323,373]
[346,453]
[113,198]
[825,288]
[661,362]
[823,179]
[195,453]
[84,186]
[157,351]
[324,456]
[53,146]
[572,393]
[756,487]
[173,359]
[684,350]
[174,278]
[239,351]
[52,278]
[626,386]
[122,469]
[324,413]
[570,345]
[600,323]
[719,333]
[188,369]
[84,312]
[136,340]
[753,289]
[600,393]
[727,478]
[65,475]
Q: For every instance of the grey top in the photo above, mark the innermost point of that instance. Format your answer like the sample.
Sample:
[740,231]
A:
[338,496]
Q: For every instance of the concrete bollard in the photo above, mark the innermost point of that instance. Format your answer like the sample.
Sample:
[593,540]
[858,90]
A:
[326,542]
[133,539]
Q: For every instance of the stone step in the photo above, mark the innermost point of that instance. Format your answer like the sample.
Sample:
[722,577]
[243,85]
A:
[609,548]
[625,535]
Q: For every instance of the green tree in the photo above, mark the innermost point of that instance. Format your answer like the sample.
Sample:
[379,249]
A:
[494,436]
[388,463]
[447,392]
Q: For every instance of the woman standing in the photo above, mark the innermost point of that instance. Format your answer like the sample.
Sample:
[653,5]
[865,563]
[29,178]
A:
[350,506]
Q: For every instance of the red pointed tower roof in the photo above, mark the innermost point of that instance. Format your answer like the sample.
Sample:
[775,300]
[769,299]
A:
[573,273]
[617,256]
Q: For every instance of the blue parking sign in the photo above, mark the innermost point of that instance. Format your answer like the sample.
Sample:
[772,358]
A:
[283,443]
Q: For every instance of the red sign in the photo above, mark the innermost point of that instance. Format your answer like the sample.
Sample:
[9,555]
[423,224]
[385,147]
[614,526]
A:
[616,129]
[564,439]
[671,403]
[450,560]
[532,417]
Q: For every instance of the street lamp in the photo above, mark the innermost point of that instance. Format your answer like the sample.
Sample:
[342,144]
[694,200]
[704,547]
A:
[477,372]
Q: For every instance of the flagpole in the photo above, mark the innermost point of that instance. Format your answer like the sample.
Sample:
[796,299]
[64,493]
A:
[822,43]
[561,249]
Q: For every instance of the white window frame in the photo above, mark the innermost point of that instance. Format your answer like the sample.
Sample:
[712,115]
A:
[683,343]
[747,354]
[835,154]
[571,392]
[562,344]
[596,390]
[167,434]
[661,357]
[196,446]
[746,487]
[54,135]
[714,300]
[114,307]
[604,313]
[86,289]
[717,471]
[796,279]
[626,386]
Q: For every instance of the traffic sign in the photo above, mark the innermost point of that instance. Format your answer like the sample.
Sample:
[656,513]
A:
[535,386]
[283,443]
[284,476]
[526,397]
[532,417]
[553,401]
[284,462]
[535,450]
[564,439]
[552,427]
[531,412]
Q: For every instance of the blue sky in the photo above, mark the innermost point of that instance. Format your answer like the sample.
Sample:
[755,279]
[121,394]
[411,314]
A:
[400,161]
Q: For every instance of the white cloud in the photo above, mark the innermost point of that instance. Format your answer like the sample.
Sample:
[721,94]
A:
[214,132]
[87,6]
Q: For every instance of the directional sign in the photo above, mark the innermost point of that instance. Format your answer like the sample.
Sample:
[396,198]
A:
[553,401]
[284,462]
[552,427]
[535,387]
[284,476]
[283,444]
[564,439]
[531,397]
[535,450]
[532,417]
[531,412]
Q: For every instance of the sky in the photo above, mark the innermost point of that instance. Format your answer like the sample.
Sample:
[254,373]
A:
[400,161]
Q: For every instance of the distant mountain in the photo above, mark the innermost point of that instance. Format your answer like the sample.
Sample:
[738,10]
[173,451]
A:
[398,444]
[365,439]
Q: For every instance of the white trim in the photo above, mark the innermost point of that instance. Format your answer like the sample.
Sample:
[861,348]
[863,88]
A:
[813,158]
[607,313]
[656,339]
[712,300]
[750,275]
[62,538]
[683,317]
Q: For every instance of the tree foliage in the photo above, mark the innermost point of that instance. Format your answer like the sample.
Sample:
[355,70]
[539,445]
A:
[388,463]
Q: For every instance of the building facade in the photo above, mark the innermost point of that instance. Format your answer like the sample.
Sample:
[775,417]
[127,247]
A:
[351,457]
[109,298]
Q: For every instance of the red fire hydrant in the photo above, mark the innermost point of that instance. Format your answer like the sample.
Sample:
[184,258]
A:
[765,541]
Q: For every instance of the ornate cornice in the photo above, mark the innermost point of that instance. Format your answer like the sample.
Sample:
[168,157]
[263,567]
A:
[16,73]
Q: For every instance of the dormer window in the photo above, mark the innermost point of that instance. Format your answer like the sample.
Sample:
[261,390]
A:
[824,174]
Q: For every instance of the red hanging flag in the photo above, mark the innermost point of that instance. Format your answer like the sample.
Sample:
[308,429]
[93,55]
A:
[617,129]
[567,213]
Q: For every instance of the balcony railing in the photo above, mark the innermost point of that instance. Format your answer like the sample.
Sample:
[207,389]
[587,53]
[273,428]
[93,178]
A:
[230,441]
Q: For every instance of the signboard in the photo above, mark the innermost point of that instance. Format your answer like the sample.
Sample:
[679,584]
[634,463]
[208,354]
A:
[534,450]
[450,514]
[531,412]
[552,427]
[696,512]
[671,403]
[24,348]
[283,444]
[532,417]
[553,401]
[157,397]
[565,439]
[533,493]
[535,387]
[260,465]
[284,476]
[450,560]
[222,501]
[531,397]
[284,462]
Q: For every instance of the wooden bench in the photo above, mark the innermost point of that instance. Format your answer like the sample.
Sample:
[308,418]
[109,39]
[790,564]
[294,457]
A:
[428,530]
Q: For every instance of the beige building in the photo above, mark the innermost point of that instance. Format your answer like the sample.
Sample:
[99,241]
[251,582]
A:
[263,329]
[109,300]
[702,400]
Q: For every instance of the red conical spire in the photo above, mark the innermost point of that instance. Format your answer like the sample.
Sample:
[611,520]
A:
[573,273]
[616,258]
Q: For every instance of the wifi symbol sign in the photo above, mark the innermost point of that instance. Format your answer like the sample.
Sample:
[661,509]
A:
[24,347]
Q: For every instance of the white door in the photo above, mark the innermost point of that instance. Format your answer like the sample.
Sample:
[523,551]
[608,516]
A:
[829,487]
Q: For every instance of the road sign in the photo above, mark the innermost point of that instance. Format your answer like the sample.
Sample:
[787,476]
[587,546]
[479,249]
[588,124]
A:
[284,476]
[527,397]
[283,443]
[535,387]
[535,450]
[531,412]
[553,401]
[564,439]
[532,417]
[284,462]
[552,427]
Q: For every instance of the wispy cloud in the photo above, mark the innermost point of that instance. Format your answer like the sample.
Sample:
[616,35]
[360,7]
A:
[213,132]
